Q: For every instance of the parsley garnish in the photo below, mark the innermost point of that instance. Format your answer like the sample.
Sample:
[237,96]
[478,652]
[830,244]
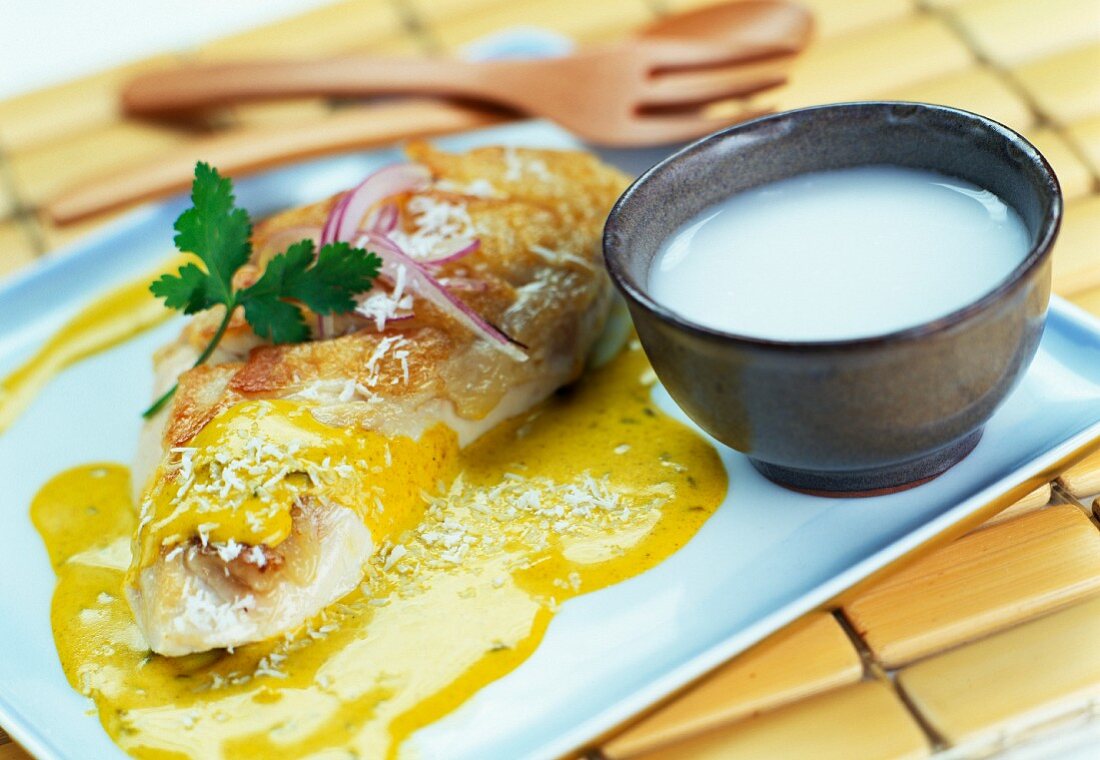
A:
[220,235]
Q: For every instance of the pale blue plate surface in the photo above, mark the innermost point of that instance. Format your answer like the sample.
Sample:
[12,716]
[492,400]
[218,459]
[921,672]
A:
[766,557]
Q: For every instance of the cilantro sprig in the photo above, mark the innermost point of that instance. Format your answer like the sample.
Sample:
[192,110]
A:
[219,233]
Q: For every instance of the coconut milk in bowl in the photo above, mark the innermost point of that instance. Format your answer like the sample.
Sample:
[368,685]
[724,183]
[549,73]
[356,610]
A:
[844,293]
[839,254]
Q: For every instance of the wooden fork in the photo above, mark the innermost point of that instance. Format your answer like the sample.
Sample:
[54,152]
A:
[642,92]
[655,91]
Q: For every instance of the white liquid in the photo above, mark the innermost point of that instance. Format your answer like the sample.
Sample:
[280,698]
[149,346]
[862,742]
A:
[839,254]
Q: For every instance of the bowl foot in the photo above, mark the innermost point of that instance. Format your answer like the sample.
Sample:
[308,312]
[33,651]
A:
[877,482]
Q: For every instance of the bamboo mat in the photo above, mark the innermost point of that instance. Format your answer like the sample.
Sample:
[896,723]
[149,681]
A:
[974,648]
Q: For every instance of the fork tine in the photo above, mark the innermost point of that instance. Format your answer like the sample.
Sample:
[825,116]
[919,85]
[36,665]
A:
[665,56]
[704,86]
[755,26]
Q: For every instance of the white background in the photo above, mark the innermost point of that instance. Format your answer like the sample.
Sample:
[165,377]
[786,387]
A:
[44,42]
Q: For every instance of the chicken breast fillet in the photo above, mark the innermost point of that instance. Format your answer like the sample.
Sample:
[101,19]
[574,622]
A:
[278,469]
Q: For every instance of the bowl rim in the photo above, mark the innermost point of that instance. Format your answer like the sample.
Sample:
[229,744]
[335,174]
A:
[1036,256]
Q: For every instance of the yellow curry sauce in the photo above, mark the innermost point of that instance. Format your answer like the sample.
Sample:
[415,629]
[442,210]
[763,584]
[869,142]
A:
[121,314]
[287,453]
[592,487]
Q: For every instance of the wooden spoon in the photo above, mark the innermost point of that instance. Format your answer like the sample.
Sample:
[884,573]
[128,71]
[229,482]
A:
[754,25]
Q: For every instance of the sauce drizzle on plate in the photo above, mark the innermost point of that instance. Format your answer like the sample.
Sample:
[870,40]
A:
[117,316]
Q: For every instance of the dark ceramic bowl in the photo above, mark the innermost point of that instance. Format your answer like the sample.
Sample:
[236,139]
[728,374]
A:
[861,416]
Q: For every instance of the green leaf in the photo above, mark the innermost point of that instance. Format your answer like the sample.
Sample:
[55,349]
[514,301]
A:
[215,231]
[280,270]
[186,291]
[276,320]
[328,287]
[341,272]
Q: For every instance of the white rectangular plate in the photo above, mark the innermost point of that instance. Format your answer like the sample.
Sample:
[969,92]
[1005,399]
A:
[766,557]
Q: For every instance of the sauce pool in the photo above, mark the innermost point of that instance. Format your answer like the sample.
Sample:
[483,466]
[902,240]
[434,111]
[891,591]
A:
[839,254]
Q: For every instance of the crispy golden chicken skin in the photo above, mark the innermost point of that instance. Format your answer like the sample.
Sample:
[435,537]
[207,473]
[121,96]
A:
[278,469]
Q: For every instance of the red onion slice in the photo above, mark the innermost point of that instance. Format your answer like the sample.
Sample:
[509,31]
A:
[325,323]
[385,220]
[343,224]
[431,289]
[462,248]
[328,232]
[344,220]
